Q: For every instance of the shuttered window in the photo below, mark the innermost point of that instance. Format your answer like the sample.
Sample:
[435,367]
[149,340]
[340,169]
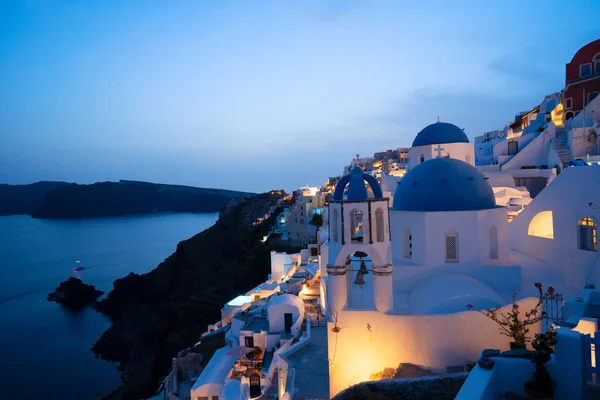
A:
[451,246]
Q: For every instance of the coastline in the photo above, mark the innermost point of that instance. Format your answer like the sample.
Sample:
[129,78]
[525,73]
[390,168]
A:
[110,248]
[157,314]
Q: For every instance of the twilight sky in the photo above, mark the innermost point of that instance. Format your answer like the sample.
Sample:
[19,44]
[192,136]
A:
[256,95]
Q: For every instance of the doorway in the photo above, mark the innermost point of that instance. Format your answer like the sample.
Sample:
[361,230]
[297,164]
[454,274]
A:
[287,321]
[513,148]
[254,385]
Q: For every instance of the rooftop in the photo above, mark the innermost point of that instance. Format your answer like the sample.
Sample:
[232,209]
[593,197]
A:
[440,133]
[312,367]
[239,301]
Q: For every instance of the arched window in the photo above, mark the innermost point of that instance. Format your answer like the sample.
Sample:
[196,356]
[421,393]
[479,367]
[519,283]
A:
[421,158]
[494,243]
[380,225]
[588,234]
[356,225]
[451,246]
[335,228]
[406,243]
[541,225]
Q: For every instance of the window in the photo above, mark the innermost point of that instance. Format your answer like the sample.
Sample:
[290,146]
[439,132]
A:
[569,103]
[588,234]
[215,398]
[451,246]
[356,225]
[334,222]
[542,225]
[249,341]
[203,398]
[406,243]
[597,64]
[494,243]
[585,70]
[380,227]
[421,158]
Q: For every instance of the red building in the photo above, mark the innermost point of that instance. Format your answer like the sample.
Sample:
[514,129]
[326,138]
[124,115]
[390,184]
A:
[582,78]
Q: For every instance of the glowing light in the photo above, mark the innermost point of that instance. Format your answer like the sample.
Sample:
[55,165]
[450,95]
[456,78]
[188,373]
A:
[542,225]
[558,115]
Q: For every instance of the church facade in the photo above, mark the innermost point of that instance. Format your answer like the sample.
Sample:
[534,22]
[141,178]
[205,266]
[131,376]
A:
[396,280]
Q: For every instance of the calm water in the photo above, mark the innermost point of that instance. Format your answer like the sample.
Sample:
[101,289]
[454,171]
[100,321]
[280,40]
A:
[45,349]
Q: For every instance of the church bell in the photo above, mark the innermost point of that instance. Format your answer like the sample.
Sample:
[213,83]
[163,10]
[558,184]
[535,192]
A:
[363,268]
[359,279]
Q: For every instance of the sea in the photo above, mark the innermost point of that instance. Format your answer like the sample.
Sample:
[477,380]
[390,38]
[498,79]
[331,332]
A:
[45,348]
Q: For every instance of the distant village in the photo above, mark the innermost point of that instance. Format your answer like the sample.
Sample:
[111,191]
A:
[415,262]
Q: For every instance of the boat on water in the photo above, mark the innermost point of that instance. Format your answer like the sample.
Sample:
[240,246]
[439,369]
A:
[79,267]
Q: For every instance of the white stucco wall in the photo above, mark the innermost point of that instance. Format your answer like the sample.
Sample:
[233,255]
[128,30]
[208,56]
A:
[281,305]
[429,235]
[434,341]
[460,151]
[415,222]
[568,197]
[278,260]
[534,152]
[582,142]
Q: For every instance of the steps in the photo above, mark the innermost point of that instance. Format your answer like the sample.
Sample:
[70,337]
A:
[561,146]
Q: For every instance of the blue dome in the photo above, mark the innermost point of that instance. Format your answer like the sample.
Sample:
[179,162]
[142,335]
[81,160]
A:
[443,184]
[440,133]
[357,190]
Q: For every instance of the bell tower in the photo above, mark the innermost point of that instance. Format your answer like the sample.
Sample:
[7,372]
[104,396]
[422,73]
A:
[359,230]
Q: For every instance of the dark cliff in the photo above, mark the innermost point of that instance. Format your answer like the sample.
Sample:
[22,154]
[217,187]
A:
[24,199]
[128,197]
[157,314]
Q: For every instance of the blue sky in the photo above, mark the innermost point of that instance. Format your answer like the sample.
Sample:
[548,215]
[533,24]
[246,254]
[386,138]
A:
[256,95]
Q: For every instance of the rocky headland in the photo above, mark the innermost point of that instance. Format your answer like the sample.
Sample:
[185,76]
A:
[157,314]
[104,199]
[24,199]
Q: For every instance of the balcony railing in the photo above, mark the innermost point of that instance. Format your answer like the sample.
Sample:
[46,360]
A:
[584,78]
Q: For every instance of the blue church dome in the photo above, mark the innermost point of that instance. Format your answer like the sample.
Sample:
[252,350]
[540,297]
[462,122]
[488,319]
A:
[443,184]
[440,133]
[357,190]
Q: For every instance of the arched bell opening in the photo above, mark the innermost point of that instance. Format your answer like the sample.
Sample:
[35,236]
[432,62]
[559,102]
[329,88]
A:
[360,277]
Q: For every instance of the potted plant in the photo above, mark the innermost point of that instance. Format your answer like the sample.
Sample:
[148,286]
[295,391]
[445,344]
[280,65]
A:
[512,324]
[542,385]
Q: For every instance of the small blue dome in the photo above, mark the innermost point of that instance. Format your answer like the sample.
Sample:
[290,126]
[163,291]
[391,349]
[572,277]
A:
[440,133]
[357,190]
[443,184]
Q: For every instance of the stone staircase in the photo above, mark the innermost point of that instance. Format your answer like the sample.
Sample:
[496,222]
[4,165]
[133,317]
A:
[561,146]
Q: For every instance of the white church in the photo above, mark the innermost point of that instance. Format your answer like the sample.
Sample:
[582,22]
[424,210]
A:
[446,140]
[397,280]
